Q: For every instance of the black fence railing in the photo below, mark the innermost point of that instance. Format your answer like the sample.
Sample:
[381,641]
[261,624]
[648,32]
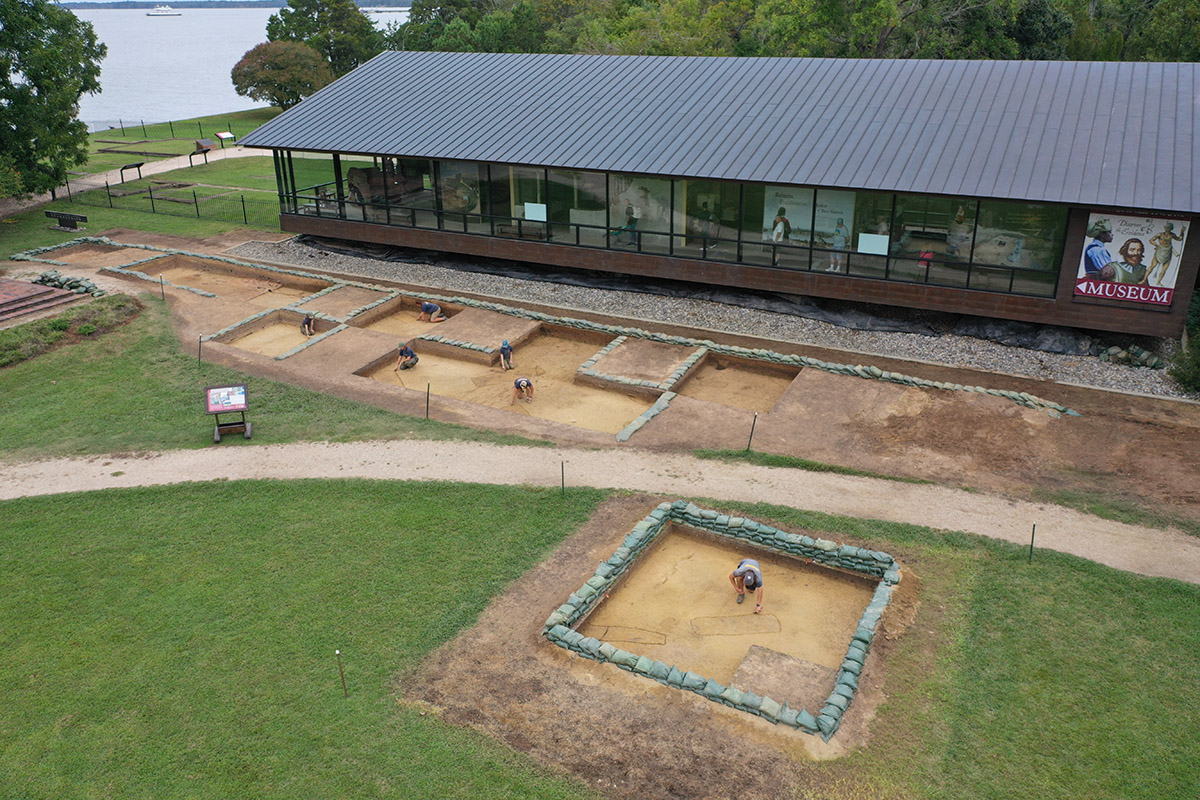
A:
[256,212]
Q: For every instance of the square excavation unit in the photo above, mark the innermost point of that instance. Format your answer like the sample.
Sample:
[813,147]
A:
[662,607]
[738,382]
[549,358]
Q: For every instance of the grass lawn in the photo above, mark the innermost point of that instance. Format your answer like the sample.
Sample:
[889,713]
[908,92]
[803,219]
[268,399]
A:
[168,137]
[1059,680]
[179,641]
[31,229]
[137,389]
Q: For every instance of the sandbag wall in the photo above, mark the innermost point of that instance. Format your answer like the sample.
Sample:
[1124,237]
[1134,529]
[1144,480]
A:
[559,626]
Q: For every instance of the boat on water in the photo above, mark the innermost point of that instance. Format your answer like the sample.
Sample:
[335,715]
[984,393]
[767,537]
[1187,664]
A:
[163,11]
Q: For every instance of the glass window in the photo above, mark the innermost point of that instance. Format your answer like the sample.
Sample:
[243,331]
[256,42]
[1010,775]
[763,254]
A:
[1020,235]
[777,225]
[639,212]
[518,196]
[575,206]
[933,227]
[705,213]
[833,229]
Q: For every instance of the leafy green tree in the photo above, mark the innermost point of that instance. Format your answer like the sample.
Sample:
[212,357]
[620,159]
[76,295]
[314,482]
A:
[336,29]
[280,73]
[427,23]
[49,58]
[1172,33]
[1042,30]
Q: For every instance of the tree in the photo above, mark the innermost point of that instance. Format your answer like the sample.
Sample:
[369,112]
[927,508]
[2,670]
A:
[281,73]
[49,58]
[336,29]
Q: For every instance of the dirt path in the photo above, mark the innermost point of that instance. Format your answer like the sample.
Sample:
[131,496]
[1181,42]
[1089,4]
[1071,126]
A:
[1146,551]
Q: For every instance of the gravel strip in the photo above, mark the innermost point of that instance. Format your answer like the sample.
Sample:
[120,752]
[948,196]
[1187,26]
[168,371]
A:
[958,351]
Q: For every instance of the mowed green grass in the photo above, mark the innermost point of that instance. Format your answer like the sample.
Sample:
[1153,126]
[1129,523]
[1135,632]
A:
[1056,680]
[180,641]
[137,388]
[157,137]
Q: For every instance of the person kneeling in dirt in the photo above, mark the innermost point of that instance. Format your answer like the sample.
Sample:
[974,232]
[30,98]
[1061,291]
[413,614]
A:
[432,312]
[308,325]
[506,355]
[748,577]
[524,388]
[407,358]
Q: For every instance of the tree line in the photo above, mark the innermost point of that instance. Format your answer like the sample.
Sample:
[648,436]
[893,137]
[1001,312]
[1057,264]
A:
[49,58]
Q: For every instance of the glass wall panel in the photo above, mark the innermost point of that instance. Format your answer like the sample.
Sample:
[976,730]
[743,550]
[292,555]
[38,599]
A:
[777,227]
[461,188]
[1020,235]
[705,213]
[928,227]
[639,210]
[575,207]
[518,196]
[833,229]
[871,234]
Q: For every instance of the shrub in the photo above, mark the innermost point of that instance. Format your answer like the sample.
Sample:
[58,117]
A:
[87,329]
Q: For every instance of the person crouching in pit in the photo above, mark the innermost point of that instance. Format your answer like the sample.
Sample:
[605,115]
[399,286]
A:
[522,387]
[748,578]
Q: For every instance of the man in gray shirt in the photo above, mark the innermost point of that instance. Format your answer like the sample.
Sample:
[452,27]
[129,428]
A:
[748,577]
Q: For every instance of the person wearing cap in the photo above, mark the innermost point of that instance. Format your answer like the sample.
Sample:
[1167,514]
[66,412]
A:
[1096,256]
[506,355]
[432,312]
[748,577]
[524,388]
[307,325]
[407,358]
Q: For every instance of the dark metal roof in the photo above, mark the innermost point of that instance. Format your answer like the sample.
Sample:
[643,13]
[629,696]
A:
[1118,134]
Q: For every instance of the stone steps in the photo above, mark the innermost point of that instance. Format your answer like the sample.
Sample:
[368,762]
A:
[18,298]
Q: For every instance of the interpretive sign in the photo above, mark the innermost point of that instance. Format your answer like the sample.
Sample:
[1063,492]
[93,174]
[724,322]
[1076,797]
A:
[225,399]
[1144,266]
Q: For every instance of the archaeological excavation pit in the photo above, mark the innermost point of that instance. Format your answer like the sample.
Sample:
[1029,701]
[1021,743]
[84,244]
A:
[662,607]
[549,356]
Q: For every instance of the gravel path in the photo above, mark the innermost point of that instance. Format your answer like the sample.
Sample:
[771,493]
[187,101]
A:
[946,349]
[1147,551]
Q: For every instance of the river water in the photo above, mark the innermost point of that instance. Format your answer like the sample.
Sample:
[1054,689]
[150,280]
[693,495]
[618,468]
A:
[171,68]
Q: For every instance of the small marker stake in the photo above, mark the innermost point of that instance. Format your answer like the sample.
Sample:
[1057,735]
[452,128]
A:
[199,347]
[427,401]
[342,672]
[752,424]
[1031,535]
[564,478]
[162,287]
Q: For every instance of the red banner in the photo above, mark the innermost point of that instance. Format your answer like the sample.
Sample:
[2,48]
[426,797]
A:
[1140,293]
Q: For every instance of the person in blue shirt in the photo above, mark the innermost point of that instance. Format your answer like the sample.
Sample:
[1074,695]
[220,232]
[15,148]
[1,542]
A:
[307,325]
[748,577]
[506,355]
[432,312]
[407,358]
[524,388]
[1096,256]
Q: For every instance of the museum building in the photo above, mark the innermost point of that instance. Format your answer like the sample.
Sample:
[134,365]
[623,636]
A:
[1049,192]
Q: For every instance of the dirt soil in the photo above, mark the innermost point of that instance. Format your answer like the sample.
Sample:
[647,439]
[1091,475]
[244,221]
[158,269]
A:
[625,735]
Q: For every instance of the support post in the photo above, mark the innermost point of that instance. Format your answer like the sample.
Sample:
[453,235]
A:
[427,401]
[172,124]
[341,672]
[752,424]
[564,478]
[162,287]
[1032,534]
[199,349]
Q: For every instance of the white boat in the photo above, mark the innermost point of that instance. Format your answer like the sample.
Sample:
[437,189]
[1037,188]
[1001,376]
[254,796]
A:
[163,11]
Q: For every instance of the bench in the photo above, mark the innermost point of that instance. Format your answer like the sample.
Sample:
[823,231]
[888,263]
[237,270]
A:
[532,230]
[65,220]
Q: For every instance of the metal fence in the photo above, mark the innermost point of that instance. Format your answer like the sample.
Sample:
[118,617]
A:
[177,202]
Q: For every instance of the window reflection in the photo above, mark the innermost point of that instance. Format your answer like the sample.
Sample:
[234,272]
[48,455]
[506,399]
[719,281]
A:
[998,246]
